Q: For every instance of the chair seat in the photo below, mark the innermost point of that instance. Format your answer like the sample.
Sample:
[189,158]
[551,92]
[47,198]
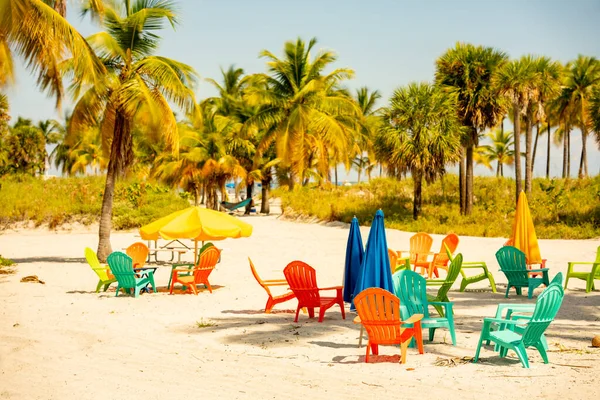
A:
[434,322]
[506,336]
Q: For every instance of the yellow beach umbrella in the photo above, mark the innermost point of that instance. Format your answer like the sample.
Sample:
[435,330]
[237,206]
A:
[523,236]
[198,224]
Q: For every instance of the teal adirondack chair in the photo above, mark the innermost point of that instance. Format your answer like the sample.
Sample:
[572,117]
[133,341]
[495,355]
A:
[517,334]
[446,284]
[103,272]
[521,311]
[588,277]
[411,289]
[514,265]
[121,266]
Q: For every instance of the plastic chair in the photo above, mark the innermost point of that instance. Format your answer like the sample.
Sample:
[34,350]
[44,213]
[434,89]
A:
[442,258]
[514,266]
[199,274]
[420,250]
[121,266]
[445,284]
[379,313]
[302,280]
[266,284]
[588,277]
[106,277]
[138,253]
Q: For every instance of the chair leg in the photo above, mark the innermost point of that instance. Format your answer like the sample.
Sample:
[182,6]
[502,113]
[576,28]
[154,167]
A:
[530,292]
[519,291]
[403,347]
[361,336]
[341,303]
[589,284]
[106,287]
[321,313]
[542,350]
[492,282]
[136,292]
[417,337]
[99,286]
[375,349]
[297,312]
[507,290]
[522,354]
[368,350]
[207,284]
[118,289]
[431,334]
[269,305]
[311,312]
[482,337]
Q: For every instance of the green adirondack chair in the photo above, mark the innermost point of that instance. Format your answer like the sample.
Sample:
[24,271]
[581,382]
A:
[467,280]
[102,272]
[514,265]
[411,289]
[588,277]
[446,284]
[121,266]
[517,334]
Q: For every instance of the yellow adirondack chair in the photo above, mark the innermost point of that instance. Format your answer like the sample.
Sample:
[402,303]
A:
[106,277]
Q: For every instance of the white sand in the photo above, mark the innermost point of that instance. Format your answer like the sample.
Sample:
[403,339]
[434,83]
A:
[61,340]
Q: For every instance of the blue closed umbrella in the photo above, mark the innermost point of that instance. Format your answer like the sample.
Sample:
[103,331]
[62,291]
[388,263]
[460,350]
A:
[354,258]
[375,269]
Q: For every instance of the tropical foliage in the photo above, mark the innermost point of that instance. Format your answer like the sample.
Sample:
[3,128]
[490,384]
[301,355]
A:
[136,115]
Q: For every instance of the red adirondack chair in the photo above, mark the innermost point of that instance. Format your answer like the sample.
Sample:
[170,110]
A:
[302,280]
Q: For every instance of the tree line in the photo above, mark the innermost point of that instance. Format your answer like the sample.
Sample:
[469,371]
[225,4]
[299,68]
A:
[295,122]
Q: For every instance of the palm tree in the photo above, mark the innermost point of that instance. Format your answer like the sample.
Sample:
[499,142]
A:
[138,86]
[499,151]
[423,130]
[518,82]
[42,37]
[302,110]
[584,75]
[25,149]
[551,76]
[594,112]
[468,70]
[367,127]
[361,163]
[563,108]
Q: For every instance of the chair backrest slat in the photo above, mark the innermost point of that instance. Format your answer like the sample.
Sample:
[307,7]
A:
[302,279]
[420,246]
[546,307]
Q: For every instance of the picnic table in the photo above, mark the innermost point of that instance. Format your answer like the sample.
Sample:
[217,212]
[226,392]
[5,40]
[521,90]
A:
[174,247]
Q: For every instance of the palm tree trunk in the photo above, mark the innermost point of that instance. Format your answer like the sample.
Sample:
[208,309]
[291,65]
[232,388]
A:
[469,181]
[196,195]
[568,133]
[116,163]
[583,161]
[498,169]
[462,186]
[203,194]
[548,154]
[249,190]
[417,200]
[359,171]
[535,144]
[528,164]
[265,207]
[336,175]
[517,140]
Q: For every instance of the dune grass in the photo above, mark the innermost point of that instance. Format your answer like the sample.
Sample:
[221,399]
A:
[63,200]
[562,209]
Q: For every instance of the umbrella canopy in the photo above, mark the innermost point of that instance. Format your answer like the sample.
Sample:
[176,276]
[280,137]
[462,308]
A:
[196,223]
[375,269]
[354,257]
[523,235]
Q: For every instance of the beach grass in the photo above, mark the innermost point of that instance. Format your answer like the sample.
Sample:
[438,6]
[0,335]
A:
[562,209]
[54,202]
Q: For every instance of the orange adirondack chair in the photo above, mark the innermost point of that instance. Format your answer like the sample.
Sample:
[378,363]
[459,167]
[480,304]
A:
[441,259]
[272,300]
[302,280]
[393,260]
[420,247]
[138,253]
[379,312]
[199,274]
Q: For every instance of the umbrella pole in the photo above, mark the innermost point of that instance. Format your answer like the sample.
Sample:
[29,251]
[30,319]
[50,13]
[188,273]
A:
[195,252]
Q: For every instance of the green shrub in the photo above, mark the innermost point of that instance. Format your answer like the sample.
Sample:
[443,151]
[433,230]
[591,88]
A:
[566,209]
[79,199]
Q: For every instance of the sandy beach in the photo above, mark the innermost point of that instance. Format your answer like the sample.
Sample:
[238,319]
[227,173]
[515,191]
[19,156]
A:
[61,340]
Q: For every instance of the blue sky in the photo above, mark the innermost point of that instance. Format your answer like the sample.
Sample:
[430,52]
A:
[387,43]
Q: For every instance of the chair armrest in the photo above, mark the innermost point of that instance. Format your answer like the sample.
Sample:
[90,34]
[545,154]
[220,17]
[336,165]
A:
[446,304]
[538,270]
[474,264]
[275,283]
[413,318]
[182,265]
[356,320]
[502,321]
[513,307]
[332,288]
[582,263]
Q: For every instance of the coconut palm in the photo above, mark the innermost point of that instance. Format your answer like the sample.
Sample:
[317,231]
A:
[301,110]
[499,151]
[139,86]
[594,112]
[550,80]
[25,149]
[563,107]
[518,81]
[468,70]
[423,131]
[583,77]
[367,127]
[42,37]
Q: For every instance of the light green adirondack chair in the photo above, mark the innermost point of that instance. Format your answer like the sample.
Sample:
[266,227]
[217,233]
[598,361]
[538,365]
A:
[446,284]
[411,289]
[121,266]
[103,273]
[588,277]
[517,335]
[514,265]
[467,280]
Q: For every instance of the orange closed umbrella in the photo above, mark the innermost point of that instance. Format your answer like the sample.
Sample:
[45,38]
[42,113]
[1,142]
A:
[523,235]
